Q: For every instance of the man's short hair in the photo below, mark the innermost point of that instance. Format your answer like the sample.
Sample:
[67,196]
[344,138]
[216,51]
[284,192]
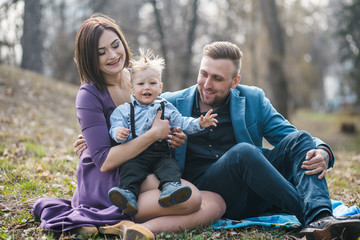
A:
[224,50]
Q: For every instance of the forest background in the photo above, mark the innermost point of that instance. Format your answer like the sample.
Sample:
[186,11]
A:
[303,53]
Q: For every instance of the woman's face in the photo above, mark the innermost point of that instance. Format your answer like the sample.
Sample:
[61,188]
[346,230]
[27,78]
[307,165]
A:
[111,54]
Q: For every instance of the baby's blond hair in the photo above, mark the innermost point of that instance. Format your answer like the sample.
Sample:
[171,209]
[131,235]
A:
[147,60]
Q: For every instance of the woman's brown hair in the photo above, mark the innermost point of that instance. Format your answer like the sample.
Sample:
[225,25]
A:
[86,48]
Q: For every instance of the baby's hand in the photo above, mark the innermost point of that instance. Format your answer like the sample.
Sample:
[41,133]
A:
[122,133]
[208,120]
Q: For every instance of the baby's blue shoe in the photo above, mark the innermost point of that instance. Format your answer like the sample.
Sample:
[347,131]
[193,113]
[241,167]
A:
[174,193]
[124,200]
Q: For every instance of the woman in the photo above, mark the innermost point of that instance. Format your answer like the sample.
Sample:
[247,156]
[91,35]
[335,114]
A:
[102,56]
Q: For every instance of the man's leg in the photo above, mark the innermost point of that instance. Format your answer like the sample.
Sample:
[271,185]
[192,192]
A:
[249,184]
[287,158]
[315,202]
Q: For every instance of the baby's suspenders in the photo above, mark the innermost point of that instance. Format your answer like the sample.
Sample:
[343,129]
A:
[132,117]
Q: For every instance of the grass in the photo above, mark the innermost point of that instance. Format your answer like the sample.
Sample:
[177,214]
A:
[327,126]
[38,126]
[35,149]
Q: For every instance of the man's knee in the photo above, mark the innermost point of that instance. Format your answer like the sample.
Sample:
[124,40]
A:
[242,149]
[297,144]
[301,134]
[300,138]
[243,153]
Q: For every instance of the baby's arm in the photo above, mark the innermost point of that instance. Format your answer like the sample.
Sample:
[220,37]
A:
[208,120]
[122,133]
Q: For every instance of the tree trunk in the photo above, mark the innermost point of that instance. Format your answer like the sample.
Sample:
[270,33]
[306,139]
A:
[160,29]
[31,41]
[277,79]
[190,42]
[252,43]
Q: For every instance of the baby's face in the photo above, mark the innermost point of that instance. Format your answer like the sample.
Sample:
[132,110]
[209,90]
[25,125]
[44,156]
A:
[146,85]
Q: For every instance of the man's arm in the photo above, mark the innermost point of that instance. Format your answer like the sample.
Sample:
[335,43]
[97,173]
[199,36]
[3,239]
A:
[276,127]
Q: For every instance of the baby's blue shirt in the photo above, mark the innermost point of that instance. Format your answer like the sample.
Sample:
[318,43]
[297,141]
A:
[144,117]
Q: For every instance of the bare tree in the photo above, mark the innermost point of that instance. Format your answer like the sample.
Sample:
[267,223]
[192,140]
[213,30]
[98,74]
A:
[98,6]
[276,76]
[163,46]
[58,44]
[31,41]
[189,45]
[7,44]
[348,33]
[252,44]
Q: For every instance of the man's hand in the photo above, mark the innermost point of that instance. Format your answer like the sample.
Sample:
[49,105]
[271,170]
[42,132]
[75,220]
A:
[79,145]
[177,138]
[316,162]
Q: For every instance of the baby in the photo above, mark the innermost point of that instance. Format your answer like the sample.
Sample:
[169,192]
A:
[137,117]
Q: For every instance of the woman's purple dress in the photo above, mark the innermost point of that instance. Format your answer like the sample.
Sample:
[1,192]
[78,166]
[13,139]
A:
[90,205]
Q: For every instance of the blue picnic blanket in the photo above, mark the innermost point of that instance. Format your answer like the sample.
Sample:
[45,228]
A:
[282,220]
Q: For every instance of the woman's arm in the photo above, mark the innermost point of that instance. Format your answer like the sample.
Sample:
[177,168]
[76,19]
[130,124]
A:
[176,139]
[92,114]
[123,152]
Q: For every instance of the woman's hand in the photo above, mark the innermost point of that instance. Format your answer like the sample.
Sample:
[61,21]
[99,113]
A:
[79,145]
[177,138]
[160,128]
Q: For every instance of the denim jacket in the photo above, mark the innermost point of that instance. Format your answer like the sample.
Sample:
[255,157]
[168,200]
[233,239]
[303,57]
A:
[253,118]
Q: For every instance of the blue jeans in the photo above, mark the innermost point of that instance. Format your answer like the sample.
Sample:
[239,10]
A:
[255,181]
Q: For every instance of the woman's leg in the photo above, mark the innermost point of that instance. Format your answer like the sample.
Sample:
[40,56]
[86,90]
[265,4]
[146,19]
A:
[200,209]
[211,209]
[149,208]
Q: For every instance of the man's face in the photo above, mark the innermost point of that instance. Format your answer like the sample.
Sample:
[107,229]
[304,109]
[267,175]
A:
[215,80]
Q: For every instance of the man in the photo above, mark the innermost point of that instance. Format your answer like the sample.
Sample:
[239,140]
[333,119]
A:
[229,159]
